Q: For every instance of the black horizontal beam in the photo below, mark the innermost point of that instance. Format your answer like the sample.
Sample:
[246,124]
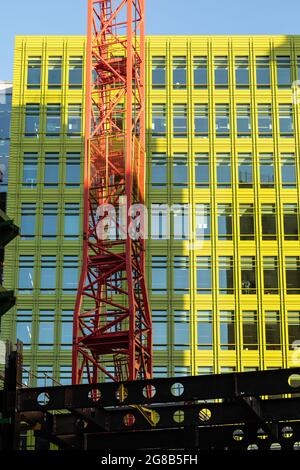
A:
[170,390]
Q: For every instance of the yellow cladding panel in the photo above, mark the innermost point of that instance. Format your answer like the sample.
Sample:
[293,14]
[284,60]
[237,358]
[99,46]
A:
[227,149]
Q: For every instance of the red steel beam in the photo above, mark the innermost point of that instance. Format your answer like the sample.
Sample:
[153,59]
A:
[112,331]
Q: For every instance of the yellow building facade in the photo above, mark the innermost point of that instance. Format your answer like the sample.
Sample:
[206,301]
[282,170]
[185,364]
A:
[222,178]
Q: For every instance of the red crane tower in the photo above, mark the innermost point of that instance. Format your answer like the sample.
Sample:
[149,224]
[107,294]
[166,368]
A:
[112,334]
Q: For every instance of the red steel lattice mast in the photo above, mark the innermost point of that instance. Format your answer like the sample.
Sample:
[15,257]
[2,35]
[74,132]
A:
[112,334]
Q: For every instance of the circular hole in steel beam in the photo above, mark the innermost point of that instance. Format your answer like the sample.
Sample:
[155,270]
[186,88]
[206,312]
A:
[178,416]
[252,447]
[294,380]
[149,391]
[177,389]
[129,419]
[238,435]
[94,394]
[275,446]
[121,393]
[261,434]
[43,398]
[204,414]
[287,432]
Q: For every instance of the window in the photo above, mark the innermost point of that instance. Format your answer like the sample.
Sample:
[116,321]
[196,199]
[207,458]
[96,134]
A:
[248,275]
[181,275]
[263,76]
[292,273]
[200,72]
[221,72]
[32,120]
[222,120]
[265,121]
[26,376]
[66,333]
[28,221]
[270,267]
[290,219]
[223,170]
[181,330]
[201,123]
[206,370]
[159,222]
[288,170]
[180,170]
[34,73]
[246,222]
[245,170]
[226,274]
[75,72]
[202,172]
[44,377]
[74,120]
[159,120]
[160,371]
[293,327]
[266,167]
[243,120]
[160,340]
[179,72]
[73,169]
[242,72]
[51,170]
[71,228]
[182,371]
[159,170]
[48,274]
[286,124]
[158,72]
[159,275]
[53,122]
[204,277]
[179,120]
[272,326]
[5,111]
[30,167]
[224,222]
[180,221]
[24,328]
[227,369]
[50,211]
[227,330]
[268,221]
[26,274]
[250,333]
[54,72]
[46,330]
[283,71]
[204,330]
[203,221]
[65,375]
[70,274]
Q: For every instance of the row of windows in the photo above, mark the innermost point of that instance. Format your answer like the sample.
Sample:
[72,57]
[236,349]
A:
[53,125]
[50,221]
[226,331]
[204,169]
[201,127]
[176,221]
[44,375]
[51,169]
[48,278]
[205,283]
[55,78]
[47,333]
[221,72]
